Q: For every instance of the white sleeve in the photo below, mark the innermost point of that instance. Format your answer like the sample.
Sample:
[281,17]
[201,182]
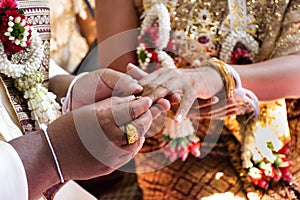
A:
[13,181]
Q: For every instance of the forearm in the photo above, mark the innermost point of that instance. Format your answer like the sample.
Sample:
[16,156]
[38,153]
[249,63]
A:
[59,85]
[38,163]
[116,33]
[272,79]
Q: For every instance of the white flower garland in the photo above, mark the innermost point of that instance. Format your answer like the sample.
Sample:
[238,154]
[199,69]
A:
[158,12]
[30,66]
[44,108]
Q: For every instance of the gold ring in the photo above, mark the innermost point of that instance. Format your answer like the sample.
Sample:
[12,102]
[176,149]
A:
[131,133]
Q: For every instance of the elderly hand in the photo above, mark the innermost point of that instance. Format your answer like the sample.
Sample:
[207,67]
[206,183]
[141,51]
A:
[92,141]
[101,84]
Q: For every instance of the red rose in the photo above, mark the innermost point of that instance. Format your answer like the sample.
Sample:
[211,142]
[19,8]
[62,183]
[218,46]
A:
[241,56]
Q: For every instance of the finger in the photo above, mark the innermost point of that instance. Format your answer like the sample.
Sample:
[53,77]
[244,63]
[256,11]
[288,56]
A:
[125,113]
[113,101]
[220,107]
[114,133]
[220,113]
[163,90]
[223,104]
[156,93]
[153,77]
[185,105]
[201,103]
[204,115]
[174,98]
[163,104]
[160,106]
[120,83]
[135,147]
[135,72]
[117,135]
[143,123]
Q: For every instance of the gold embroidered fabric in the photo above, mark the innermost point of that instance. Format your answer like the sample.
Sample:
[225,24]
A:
[68,46]
[274,25]
[289,40]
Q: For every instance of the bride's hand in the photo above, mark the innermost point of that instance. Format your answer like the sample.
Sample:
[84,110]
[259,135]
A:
[215,108]
[190,84]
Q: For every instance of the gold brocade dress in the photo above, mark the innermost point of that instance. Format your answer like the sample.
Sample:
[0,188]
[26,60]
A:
[275,27]
[68,45]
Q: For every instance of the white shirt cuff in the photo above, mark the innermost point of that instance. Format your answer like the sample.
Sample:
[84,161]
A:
[13,184]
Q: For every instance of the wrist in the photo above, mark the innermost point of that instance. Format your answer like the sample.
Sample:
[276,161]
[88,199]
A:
[37,161]
[59,85]
[67,100]
[212,82]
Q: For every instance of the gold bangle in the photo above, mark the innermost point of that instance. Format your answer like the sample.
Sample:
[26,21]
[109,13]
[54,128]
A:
[225,73]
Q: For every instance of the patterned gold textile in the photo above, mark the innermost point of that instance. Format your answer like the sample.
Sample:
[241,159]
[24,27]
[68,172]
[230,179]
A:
[68,46]
[275,26]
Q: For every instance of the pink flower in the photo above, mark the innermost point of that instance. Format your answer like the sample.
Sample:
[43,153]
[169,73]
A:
[268,171]
[284,168]
[182,153]
[286,174]
[194,148]
[241,56]
[256,177]
[9,4]
[285,149]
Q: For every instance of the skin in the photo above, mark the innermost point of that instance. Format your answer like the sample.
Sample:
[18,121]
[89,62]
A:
[269,80]
[72,155]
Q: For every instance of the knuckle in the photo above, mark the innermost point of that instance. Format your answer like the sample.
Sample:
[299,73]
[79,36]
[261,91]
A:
[141,128]
[133,111]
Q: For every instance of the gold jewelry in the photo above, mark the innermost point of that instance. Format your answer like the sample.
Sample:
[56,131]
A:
[131,133]
[225,73]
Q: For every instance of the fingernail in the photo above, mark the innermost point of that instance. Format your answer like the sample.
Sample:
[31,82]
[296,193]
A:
[214,99]
[130,66]
[137,86]
[132,97]
[142,140]
[179,118]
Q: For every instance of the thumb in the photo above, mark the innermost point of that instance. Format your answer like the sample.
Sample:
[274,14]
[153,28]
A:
[185,105]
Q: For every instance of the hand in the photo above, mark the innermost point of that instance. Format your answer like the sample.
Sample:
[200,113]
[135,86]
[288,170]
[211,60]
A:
[215,109]
[189,83]
[91,140]
[101,84]
[88,141]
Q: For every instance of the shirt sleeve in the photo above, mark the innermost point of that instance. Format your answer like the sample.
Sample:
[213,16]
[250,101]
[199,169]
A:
[13,184]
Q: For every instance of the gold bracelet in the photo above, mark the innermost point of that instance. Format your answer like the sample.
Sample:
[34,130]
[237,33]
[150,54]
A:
[225,73]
